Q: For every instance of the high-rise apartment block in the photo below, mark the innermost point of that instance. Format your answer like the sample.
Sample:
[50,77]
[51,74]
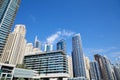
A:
[15,46]
[94,71]
[8,10]
[78,57]
[105,67]
[117,71]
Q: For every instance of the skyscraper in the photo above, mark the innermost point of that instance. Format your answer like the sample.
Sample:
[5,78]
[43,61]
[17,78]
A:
[105,67]
[94,71]
[117,71]
[15,47]
[37,43]
[78,57]
[8,10]
[61,45]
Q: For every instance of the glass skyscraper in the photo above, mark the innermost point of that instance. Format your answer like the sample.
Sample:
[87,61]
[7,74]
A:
[78,57]
[8,10]
[61,45]
[94,71]
[37,43]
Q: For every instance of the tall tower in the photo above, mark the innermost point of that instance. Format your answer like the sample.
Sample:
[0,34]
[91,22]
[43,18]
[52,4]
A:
[37,43]
[8,10]
[78,57]
[105,67]
[94,71]
[15,47]
[61,45]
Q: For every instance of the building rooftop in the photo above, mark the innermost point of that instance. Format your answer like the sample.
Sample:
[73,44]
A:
[39,53]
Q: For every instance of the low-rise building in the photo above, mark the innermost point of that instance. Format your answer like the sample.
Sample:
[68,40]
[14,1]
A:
[49,64]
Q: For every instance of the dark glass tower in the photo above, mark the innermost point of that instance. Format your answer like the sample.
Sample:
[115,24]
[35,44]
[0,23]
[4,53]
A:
[61,45]
[37,43]
[78,57]
[94,71]
[8,10]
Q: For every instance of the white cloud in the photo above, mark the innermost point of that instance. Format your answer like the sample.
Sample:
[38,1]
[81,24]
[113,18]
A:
[115,54]
[95,51]
[67,33]
[59,34]
[53,37]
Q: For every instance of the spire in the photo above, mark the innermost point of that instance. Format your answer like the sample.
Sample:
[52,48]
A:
[36,38]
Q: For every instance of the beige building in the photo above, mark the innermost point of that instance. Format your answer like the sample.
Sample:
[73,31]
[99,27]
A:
[15,47]
[70,66]
[87,66]
[28,48]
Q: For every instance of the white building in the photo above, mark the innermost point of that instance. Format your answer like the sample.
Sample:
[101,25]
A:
[29,48]
[70,67]
[87,66]
[48,47]
[15,48]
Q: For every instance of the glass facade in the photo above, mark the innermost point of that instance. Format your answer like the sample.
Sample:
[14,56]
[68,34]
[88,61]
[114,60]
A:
[8,10]
[6,71]
[37,43]
[94,71]
[47,63]
[61,45]
[78,57]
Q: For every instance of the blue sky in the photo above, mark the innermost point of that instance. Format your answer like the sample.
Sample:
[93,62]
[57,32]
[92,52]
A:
[98,22]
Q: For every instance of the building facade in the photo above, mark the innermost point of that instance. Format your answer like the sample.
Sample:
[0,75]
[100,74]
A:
[6,71]
[61,45]
[8,10]
[70,66]
[94,71]
[117,71]
[15,46]
[78,57]
[48,47]
[48,64]
[87,67]
[105,67]
[29,48]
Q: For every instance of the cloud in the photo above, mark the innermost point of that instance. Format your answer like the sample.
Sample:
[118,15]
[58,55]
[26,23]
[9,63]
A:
[115,54]
[67,33]
[95,51]
[59,34]
[53,37]
[111,52]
